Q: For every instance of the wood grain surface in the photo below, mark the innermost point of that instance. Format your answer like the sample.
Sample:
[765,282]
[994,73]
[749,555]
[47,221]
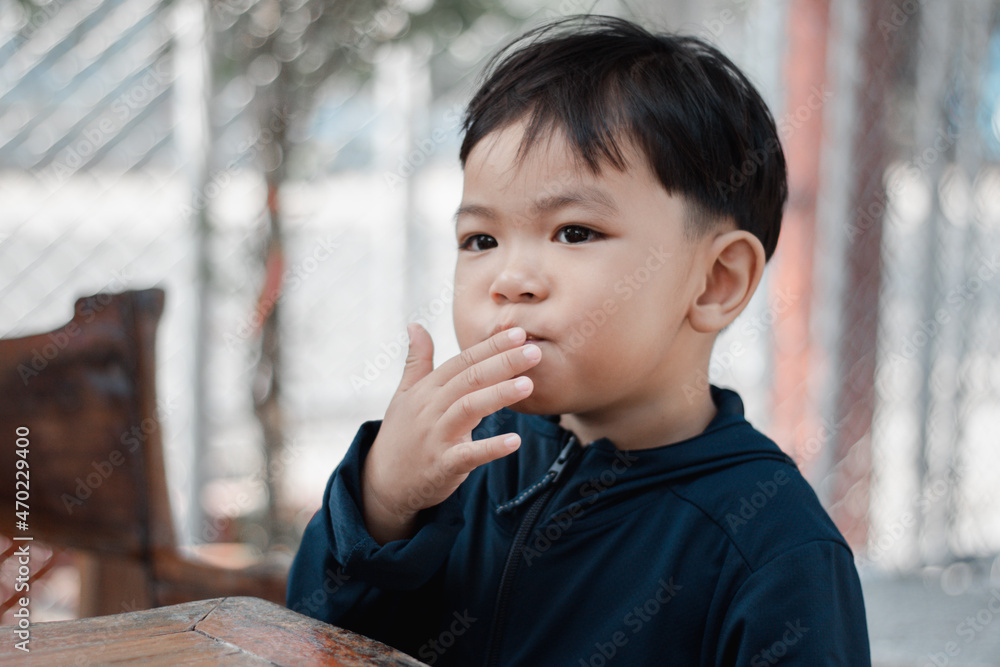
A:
[221,631]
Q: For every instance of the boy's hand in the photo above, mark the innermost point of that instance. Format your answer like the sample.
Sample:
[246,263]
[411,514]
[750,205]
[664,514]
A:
[424,448]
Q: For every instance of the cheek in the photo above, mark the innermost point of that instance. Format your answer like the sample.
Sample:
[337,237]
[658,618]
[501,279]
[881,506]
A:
[464,320]
[597,321]
[470,307]
[626,316]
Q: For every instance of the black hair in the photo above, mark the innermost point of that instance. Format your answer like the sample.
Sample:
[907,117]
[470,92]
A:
[705,130]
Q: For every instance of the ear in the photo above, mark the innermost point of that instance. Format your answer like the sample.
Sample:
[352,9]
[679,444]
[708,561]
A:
[733,265]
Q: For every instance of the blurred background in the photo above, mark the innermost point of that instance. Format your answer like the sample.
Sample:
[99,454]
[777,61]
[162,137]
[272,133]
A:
[287,171]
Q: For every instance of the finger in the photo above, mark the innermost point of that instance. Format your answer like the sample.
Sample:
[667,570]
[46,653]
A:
[419,358]
[464,414]
[492,370]
[465,457]
[501,342]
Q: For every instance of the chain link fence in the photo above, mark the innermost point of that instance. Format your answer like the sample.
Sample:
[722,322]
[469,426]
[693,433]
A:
[870,353]
[934,432]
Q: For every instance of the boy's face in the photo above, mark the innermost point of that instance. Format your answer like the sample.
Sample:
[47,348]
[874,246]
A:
[596,267]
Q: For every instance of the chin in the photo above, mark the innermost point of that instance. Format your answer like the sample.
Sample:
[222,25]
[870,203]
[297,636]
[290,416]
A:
[534,406]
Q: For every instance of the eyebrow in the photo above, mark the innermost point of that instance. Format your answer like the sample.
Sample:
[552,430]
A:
[587,198]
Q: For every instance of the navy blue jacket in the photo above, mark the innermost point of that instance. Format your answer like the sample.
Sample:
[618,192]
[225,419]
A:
[710,551]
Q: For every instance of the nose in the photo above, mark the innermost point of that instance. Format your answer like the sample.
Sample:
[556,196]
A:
[519,281]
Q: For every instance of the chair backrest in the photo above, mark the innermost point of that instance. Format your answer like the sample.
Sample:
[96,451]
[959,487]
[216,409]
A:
[83,397]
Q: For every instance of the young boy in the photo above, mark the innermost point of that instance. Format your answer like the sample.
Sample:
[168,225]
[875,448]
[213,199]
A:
[570,490]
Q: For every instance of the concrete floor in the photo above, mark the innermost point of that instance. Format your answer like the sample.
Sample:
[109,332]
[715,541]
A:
[937,618]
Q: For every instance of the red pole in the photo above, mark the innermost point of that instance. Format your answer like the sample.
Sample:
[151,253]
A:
[855,405]
[796,420]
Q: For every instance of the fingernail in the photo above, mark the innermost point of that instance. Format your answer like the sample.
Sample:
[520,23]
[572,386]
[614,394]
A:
[522,384]
[531,352]
[511,441]
[515,334]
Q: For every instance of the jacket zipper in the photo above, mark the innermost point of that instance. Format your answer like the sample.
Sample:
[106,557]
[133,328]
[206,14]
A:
[552,475]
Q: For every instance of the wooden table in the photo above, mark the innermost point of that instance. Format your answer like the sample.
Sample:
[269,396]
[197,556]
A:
[222,631]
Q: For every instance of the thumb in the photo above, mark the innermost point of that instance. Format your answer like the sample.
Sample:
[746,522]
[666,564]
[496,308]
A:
[420,358]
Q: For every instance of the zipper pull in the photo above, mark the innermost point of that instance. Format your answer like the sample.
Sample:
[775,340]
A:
[559,465]
[550,477]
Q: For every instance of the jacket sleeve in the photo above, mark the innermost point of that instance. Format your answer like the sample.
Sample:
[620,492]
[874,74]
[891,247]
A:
[342,576]
[804,607]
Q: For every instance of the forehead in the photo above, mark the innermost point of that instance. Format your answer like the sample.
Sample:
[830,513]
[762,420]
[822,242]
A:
[522,143]
[503,168]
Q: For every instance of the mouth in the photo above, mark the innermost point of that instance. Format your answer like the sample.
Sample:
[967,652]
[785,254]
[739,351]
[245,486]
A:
[529,338]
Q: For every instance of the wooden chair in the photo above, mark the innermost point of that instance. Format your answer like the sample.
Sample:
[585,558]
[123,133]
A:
[84,398]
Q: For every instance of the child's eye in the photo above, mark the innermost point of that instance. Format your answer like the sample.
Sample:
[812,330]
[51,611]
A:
[478,243]
[577,234]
